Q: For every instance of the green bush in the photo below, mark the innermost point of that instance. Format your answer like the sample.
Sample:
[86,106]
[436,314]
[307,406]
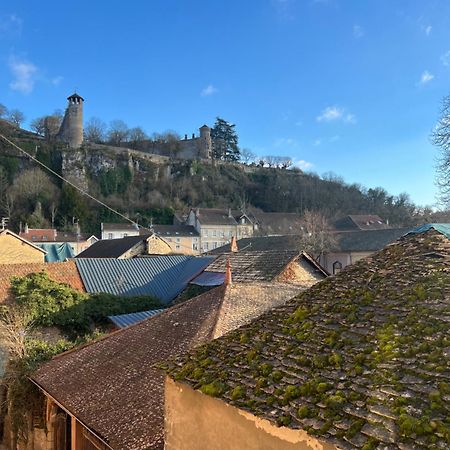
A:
[75,313]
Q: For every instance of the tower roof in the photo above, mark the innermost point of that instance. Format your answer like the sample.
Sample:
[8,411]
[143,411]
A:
[75,96]
[204,126]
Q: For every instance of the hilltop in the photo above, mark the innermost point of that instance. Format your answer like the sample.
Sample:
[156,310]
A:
[151,187]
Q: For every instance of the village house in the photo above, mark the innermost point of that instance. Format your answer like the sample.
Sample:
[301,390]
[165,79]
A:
[16,250]
[181,239]
[216,227]
[360,222]
[110,392]
[358,361]
[128,247]
[347,248]
[41,236]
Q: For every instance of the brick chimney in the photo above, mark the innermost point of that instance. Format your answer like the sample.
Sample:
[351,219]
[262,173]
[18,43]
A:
[233,245]
[227,281]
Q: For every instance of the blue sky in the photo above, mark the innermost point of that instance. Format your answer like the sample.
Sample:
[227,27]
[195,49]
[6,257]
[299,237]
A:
[347,86]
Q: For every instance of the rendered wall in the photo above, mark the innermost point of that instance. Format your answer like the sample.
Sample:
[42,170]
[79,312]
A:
[14,251]
[195,421]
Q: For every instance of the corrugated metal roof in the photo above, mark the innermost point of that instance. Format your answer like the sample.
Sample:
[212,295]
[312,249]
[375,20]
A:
[162,277]
[125,320]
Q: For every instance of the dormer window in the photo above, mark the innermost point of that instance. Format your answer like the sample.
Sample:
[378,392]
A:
[337,267]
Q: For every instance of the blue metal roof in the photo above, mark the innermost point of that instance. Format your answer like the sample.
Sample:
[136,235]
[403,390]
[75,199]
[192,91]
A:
[162,277]
[443,228]
[125,320]
[57,252]
[209,279]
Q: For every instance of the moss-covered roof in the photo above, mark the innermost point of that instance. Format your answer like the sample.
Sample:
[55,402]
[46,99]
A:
[360,359]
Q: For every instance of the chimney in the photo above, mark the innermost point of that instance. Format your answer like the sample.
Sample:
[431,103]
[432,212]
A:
[185,137]
[26,228]
[227,281]
[233,245]
[229,212]
[193,135]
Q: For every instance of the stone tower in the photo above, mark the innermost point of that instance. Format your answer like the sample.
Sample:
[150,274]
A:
[205,142]
[71,130]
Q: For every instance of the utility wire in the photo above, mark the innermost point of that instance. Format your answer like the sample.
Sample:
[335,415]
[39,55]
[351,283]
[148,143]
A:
[82,190]
[70,183]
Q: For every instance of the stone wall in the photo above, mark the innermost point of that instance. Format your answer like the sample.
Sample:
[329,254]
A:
[196,421]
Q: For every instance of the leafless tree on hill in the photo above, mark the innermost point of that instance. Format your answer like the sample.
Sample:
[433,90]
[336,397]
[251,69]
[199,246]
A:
[95,130]
[441,138]
[16,117]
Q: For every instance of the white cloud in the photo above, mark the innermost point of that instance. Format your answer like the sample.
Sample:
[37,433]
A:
[358,31]
[209,90]
[56,81]
[445,59]
[11,24]
[299,123]
[302,164]
[427,29]
[317,142]
[334,138]
[285,142]
[335,113]
[284,8]
[24,73]
[426,77]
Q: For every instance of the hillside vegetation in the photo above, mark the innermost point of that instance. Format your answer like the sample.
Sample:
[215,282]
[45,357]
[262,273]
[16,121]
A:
[151,191]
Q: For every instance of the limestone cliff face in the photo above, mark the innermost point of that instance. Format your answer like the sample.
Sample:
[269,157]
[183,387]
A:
[73,167]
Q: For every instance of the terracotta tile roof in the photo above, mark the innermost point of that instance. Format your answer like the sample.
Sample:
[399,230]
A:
[361,359]
[64,272]
[112,385]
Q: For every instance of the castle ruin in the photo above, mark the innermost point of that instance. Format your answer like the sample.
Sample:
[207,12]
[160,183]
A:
[196,147]
[71,130]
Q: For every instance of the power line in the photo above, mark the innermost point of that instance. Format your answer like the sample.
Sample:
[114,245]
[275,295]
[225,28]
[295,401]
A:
[83,192]
[69,182]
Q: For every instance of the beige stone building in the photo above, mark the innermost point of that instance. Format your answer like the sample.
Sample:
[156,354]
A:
[216,227]
[17,250]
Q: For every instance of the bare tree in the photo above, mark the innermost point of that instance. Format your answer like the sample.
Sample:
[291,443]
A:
[317,237]
[441,138]
[247,156]
[38,125]
[118,132]
[95,130]
[3,111]
[31,185]
[136,136]
[15,328]
[285,162]
[16,117]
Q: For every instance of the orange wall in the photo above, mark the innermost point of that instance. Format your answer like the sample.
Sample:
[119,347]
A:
[196,421]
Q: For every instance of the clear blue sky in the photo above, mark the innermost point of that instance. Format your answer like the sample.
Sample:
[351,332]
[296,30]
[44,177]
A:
[347,86]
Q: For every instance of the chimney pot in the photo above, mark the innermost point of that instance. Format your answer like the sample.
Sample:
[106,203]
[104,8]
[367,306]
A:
[228,277]
[233,245]
[193,135]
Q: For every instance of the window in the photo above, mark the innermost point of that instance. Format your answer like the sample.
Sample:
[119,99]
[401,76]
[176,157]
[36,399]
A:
[222,233]
[195,247]
[177,247]
[214,244]
[214,233]
[178,239]
[124,234]
[110,235]
[205,233]
[337,267]
[205,246]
